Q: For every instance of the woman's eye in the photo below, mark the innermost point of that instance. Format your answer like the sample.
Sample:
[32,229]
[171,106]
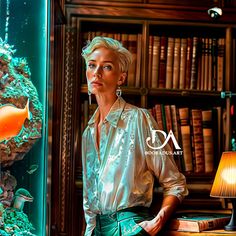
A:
[108,67]
[91,66]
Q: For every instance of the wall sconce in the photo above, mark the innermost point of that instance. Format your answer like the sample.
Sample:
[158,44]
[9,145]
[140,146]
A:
[224,185]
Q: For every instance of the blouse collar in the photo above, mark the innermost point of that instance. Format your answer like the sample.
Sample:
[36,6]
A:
[113,115]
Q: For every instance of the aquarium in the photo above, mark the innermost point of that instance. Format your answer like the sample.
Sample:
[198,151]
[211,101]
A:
[23,116]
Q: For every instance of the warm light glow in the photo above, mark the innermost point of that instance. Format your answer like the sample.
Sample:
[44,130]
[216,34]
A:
[229,175]
[225,180]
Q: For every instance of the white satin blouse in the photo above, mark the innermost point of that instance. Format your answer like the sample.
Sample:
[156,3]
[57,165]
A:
[120,173]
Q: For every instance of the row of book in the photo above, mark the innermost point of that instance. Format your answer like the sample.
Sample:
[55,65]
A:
[186,63]
[197,132]
[173,62]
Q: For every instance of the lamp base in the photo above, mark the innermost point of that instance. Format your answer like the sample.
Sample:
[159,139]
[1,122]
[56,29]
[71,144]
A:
[232,224]
[230,228]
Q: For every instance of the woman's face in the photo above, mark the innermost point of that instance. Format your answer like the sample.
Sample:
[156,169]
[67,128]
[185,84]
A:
[103,73]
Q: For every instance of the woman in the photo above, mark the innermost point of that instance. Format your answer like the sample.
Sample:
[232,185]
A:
[118,169]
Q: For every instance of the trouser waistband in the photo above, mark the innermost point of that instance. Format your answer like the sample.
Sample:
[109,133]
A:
[122,214]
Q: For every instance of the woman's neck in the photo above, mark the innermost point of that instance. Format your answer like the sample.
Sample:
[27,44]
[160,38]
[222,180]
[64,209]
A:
[105,103]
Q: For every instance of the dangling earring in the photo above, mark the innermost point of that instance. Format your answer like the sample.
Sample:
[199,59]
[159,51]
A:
[118,92]
[90,99]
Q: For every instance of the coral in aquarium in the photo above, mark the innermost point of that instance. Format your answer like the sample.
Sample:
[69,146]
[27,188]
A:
[13,221]
[20,108]
[7,185]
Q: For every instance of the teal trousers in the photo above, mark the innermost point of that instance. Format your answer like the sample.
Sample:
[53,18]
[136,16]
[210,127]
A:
[123,222]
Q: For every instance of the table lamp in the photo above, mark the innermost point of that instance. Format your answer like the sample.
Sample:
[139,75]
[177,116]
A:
[224,185]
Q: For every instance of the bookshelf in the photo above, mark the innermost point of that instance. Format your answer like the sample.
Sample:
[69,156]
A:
[149,87]
[150,29]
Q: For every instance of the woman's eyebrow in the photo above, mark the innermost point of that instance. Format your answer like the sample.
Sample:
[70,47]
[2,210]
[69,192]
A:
[111,62]
[108,61]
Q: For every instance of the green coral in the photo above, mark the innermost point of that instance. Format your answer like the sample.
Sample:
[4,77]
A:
[15,223]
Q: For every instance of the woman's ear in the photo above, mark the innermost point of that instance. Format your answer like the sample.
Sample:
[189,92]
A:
[122,78]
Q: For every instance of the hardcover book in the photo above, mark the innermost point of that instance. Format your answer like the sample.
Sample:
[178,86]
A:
[186,138]
[197,222]
[198,140]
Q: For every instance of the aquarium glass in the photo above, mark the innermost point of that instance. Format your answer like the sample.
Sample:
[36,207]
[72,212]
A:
[23,116]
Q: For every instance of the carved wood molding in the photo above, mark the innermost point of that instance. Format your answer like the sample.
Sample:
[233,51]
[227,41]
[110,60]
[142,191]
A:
[66,152]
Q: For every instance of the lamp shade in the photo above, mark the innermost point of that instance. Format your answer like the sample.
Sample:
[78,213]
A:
[224,185]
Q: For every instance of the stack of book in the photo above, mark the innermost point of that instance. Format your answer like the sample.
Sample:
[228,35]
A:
[197,222]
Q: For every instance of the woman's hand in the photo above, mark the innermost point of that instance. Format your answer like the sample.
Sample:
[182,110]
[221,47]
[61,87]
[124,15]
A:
[152,227]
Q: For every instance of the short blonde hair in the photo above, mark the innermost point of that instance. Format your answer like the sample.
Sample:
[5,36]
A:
[124,55]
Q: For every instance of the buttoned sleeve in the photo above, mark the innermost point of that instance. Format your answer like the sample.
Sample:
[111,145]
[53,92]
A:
[90,217]
[160,161]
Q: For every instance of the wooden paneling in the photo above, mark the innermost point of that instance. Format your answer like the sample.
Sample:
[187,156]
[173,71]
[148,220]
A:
[202,3]
[150,12]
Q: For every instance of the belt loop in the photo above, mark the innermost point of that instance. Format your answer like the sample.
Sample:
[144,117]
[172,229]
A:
[113,216]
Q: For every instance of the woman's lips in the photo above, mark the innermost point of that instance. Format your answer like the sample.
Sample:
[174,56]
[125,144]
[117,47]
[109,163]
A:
[96,83]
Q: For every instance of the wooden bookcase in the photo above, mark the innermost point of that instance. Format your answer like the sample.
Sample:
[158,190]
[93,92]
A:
[146,20]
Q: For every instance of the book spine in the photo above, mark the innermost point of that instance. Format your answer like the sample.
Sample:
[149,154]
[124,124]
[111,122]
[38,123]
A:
[220,64]
[199,63]
[177,134]
[168,118]
[205,85]
[162,65]
[158,116]
[212,224]
[138,64]
[214,64]
[198,140]
[183,59]
[193,80]
[188,62]
[210,80]
[203,48]
[198,223]
[155,61]
[150,62]
[208,140]
[175,124]
[176,69]
[163,114]
[169,62]
[168,122]
[186,138]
